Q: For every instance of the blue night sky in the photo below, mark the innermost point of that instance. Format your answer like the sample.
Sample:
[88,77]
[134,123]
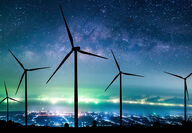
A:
[148,37]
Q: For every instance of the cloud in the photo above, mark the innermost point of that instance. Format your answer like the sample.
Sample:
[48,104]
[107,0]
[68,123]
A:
[56,50]
[161,99]
[29,54]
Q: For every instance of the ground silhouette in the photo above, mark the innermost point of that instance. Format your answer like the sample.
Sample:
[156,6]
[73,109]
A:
[156,127]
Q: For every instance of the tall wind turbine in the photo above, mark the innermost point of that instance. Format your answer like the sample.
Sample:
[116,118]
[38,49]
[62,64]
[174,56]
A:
[75,50]
[120,75]
[7,98]
[25,74]
[186,94]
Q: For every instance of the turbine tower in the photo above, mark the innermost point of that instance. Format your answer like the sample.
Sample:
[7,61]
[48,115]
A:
[7,98]
[186,94]
[76,50]
[120,76]
[25,74]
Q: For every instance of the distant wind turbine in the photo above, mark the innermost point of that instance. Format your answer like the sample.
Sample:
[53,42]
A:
[75,50]
[120,75]
[7,98]
[186,93]
[25,74]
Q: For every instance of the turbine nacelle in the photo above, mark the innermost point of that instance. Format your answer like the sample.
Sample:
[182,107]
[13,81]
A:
[76,48]
[186,93]
[120,76]
[7,96]
[185,81]
[178,76]
[120,72]
[25,70]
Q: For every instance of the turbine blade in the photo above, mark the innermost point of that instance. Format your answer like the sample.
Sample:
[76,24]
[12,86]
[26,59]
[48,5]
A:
[87,53]
[111,82]
[6,89]
[3,100]
[186,89]
[189,75]
[34,69]
[66,25]
[20,82]
[132,74]
[63,61]
[174,75]
[115,60]
[14,100]
[17,59]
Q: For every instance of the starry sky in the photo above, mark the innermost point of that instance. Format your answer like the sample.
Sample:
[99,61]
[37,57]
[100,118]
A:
[148,37]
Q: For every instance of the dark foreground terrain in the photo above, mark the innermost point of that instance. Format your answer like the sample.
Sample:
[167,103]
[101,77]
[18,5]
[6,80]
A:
[156,127]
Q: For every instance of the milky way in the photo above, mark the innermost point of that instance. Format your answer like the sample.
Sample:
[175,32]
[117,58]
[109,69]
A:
[148,37]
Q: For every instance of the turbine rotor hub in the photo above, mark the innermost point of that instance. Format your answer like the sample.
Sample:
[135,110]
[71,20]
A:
[76,48]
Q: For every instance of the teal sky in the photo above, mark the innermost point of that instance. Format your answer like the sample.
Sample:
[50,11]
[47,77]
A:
[147,37]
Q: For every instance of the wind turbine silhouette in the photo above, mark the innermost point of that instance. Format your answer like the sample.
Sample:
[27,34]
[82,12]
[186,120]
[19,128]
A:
[120,75]
[7,98]
[186,93]
[75,50]
[25,74]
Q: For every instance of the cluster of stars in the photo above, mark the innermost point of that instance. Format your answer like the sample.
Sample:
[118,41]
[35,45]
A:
[149,34]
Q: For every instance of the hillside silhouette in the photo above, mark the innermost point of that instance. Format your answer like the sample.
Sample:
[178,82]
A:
[156,126]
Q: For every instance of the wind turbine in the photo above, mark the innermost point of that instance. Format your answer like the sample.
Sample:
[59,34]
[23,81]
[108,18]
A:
[186,94]
[7,98]
[25,74]
[120,75]
[75,50]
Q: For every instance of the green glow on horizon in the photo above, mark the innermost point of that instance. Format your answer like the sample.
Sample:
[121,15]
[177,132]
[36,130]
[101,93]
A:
[83,100]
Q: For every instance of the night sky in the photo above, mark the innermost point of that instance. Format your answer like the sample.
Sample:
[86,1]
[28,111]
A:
[148,37]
